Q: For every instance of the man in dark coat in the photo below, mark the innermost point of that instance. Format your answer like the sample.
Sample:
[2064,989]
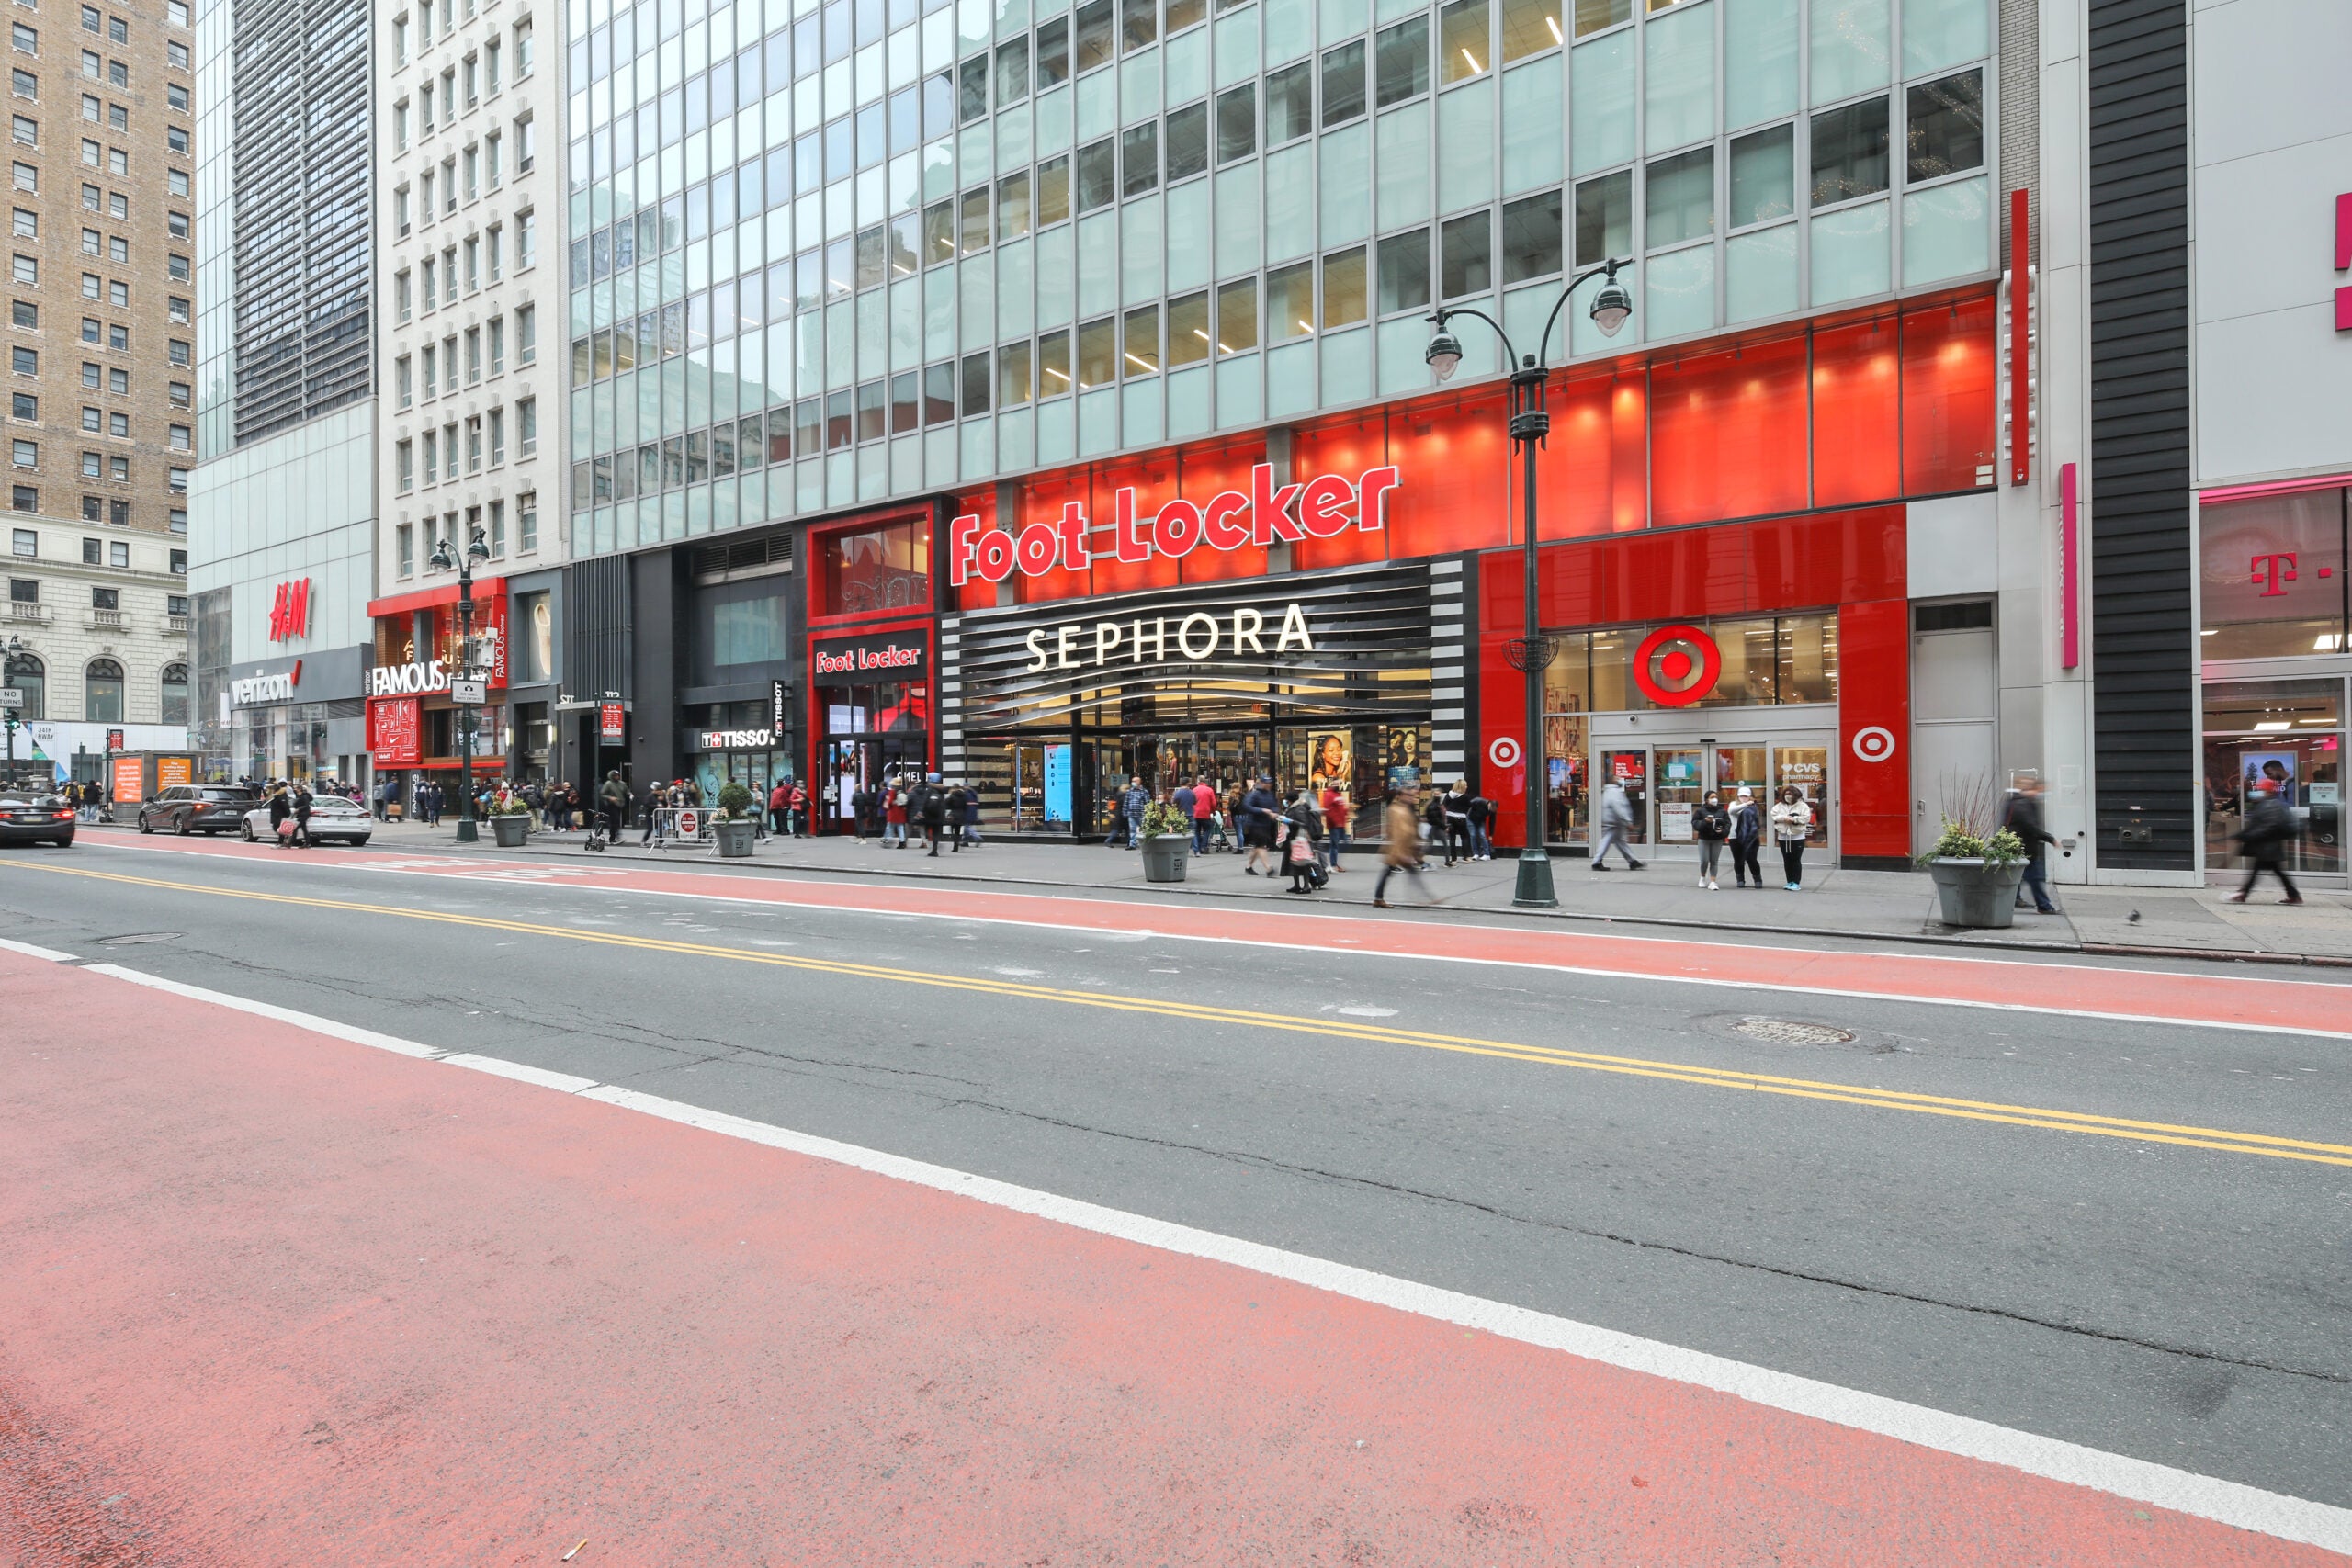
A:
[2023,818]
[2269,829]
[932,799]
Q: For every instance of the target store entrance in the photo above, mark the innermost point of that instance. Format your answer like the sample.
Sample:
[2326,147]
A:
[1672,714]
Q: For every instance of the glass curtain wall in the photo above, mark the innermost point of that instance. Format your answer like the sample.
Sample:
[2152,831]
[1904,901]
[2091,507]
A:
[827,251]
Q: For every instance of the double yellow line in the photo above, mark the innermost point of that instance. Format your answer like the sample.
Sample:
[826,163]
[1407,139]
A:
[1632,1066]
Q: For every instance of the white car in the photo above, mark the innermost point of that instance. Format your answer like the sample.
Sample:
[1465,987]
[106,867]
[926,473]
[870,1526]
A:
[333,820]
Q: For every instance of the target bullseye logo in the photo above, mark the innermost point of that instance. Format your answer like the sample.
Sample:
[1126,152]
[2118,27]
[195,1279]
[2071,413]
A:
[1677,665]
[1875,744]
[1504,752]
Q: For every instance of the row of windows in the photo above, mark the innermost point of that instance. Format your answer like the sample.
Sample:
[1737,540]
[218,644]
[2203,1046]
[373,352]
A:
[23,453]
[25,130]
[24,542]
[484,175]
[484,447]
[102,678]
[490,522]
[115,335]
[25,38]
[26,84]
[94,509]
[525,50]
[25,177]
[485,354]
[479,73]
[484,260]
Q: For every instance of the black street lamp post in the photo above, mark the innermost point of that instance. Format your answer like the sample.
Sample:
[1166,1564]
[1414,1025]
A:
[467,833]
[16,646]
[1529,423]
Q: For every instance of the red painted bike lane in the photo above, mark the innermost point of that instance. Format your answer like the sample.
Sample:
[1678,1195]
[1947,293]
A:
[2260,1001]
[272,1298]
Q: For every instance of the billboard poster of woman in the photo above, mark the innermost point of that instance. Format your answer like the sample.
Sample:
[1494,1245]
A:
[1334,761]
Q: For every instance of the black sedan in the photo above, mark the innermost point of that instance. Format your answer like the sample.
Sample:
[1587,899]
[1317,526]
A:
[28,818]
[196,809]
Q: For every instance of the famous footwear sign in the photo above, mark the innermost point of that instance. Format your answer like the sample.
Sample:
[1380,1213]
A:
[1270,514]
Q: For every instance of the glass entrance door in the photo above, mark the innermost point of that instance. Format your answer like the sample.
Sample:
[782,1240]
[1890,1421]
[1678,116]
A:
[1807,767]
[1680,784]
[1630,769]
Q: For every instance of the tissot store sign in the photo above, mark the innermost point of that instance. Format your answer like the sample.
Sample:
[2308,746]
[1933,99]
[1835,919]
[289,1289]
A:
[1270,514]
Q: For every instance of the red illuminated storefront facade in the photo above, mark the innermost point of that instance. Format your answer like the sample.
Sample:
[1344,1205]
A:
[412,723]
[1750,490]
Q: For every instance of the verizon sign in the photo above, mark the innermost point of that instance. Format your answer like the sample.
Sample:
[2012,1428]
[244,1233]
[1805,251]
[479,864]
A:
[258,691]
[1270,514]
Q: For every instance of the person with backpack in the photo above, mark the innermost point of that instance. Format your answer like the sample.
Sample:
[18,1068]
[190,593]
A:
[931,805]
[1481,813]
[2269,829]
[1301,858]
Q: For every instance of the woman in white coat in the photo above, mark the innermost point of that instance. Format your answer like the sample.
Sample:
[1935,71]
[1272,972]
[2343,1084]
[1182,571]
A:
[1792,821]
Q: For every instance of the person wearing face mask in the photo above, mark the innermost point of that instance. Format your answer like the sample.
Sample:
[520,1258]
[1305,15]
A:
[1746,836]
[1791,824]
[1711,824]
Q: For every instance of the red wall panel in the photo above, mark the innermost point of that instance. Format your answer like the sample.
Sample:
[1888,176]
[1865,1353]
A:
[1948,397]
[1450,459]
[1727,433]
[1592,475]
[978,593]
[1856,414]
[1349,449]
[1155,481]
[1874,693]
[1204,474]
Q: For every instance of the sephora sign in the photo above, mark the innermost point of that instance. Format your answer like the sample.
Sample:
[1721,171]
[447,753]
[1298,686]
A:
[1311,508]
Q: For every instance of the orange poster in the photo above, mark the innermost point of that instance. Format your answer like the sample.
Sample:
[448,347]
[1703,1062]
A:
[170,770]
[128,781]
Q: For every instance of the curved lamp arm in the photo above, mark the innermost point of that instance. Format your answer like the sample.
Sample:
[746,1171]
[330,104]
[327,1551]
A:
[1612,267]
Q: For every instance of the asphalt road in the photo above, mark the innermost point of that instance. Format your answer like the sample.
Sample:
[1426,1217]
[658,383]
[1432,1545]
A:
[2189,1306]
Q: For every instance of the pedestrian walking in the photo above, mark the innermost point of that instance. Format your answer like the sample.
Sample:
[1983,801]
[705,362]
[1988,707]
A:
[780,806]
[281,811]
[1259,811]
[1402,850]
[2269,829]
[612,797]
[1132,805]
[1791,823]
[1338,819]
[1204,806]
[2022,817]
[1615,828]
[656,801]
[934,803]
[1711,824]
[894,812]
[1184,800]
[861,810]
[971,814]
[1300,857]
[303,800]
[1746,836]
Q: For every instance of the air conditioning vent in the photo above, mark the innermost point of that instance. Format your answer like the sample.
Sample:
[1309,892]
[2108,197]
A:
[743,558]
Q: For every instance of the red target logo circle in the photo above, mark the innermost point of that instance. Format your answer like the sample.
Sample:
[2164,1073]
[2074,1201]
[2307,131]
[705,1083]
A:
[1677,665]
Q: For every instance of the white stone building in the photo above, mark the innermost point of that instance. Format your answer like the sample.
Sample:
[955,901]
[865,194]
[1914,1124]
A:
[96,635]
[470,333]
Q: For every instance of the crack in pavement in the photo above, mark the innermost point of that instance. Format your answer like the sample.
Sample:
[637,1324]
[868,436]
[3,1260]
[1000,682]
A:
[1888,1292]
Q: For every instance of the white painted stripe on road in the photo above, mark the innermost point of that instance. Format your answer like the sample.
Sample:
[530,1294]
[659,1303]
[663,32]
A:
[49,954]
[312,1022]
[2203,1496]
[565,1082]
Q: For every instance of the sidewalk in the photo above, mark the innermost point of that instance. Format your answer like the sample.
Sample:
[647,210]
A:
[1877,905]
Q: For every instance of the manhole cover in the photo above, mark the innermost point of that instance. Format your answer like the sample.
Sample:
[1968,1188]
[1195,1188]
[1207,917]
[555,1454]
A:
[135,938]
[1787,1031]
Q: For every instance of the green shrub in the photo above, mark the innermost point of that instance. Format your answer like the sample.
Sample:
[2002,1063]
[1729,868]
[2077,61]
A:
[735,801]
[2003,848]
[1161,817]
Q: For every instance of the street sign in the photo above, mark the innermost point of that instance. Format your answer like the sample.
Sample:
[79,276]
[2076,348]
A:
[469,693]
[114,739]
[689,823]
[612,722]
[10,698]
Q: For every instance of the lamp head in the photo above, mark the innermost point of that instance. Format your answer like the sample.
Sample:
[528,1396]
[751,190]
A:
[439,559]
[1612,306]
[478,551]
[1444,354]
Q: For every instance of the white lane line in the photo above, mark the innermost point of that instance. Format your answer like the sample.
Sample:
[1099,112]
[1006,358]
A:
[1260,943]
[49,954]
[312,1022]
[2185,1492]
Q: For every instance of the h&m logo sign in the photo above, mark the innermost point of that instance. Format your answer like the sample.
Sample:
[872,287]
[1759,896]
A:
[290,611]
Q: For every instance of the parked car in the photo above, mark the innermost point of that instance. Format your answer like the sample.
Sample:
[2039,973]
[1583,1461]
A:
[333,820]
[196,809]
[35,817]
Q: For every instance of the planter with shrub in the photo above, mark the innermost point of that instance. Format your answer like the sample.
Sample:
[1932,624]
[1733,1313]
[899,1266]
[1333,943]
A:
[735,828]
[1167,842]
[1976,876]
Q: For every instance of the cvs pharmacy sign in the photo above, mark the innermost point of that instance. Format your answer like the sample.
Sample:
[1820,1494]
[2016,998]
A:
[1270,514]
